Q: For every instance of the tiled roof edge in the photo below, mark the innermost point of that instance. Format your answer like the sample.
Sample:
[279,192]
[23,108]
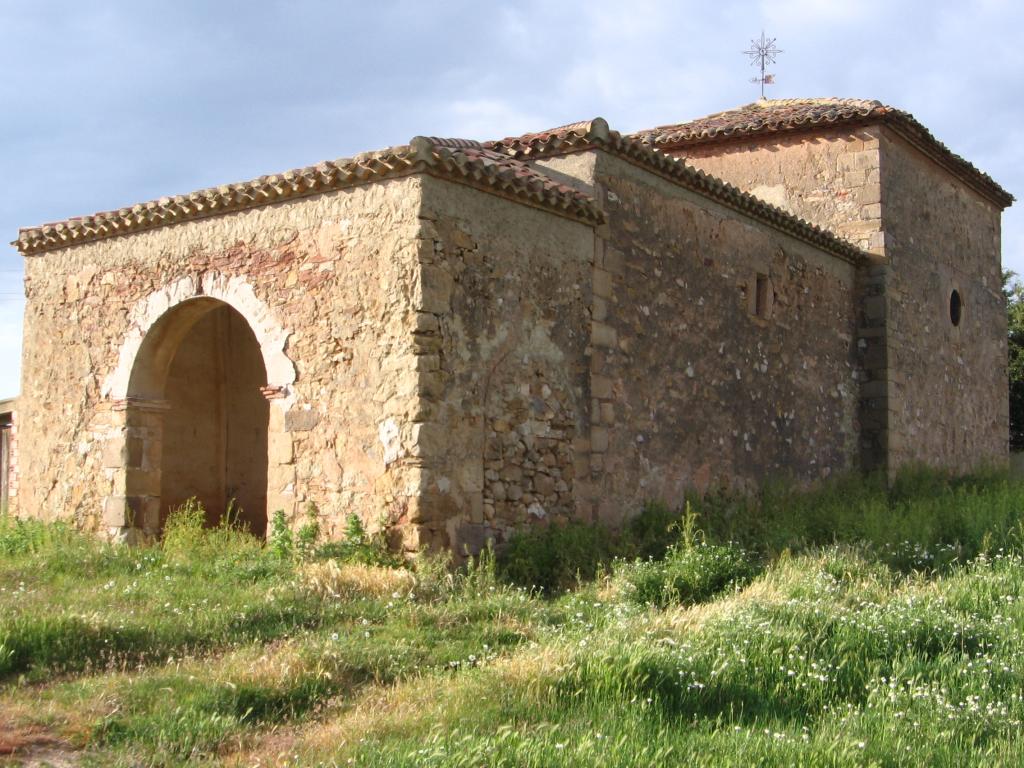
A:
[917,134]
[458,160]
[856,112]
[596,133]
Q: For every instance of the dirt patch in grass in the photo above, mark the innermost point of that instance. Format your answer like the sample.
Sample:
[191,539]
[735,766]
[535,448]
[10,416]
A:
[34,746]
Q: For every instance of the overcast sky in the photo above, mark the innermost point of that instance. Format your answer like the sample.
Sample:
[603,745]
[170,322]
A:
[104,104]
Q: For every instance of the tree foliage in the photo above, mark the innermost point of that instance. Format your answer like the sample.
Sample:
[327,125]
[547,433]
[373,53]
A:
[1013,290]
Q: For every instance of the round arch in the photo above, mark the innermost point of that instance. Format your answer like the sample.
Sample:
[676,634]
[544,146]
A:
[193,380]
[233,291]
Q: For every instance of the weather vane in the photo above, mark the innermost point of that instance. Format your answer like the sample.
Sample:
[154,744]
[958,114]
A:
[762,53]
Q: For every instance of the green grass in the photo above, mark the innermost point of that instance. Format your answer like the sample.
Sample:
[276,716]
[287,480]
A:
[892,638]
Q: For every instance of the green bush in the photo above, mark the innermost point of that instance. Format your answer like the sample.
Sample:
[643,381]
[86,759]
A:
[281,543]
[308,535]
[651,533]
[557,556]
[689,574]
[24,536]
[187,539]
[358,547]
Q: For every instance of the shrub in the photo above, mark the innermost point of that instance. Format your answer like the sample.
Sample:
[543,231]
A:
[651,533]
[555,557]
[184,529]
[689,574]
[226,548]
[559,556]
[925,520]
[19,537]
[358,547]
[693,570]
[281,544]
[308,535]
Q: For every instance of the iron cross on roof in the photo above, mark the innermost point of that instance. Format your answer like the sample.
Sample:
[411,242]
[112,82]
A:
[763,52]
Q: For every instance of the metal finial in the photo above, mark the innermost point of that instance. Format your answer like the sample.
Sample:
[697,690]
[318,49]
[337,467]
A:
[763,52]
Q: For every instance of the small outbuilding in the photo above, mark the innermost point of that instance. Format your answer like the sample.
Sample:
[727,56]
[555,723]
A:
[6,453]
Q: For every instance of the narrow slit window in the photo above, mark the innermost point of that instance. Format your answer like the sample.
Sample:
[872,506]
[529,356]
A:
[762,297]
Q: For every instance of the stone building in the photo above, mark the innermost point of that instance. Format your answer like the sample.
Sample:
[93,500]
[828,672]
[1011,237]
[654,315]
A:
[8,489]
[456,339]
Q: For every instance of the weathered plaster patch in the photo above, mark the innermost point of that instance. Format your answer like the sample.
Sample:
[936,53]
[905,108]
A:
[389,434]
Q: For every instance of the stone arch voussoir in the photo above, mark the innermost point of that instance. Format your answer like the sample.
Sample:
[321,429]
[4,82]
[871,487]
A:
[234,291]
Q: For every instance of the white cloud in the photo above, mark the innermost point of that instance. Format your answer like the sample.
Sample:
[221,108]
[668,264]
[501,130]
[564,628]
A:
[103,108]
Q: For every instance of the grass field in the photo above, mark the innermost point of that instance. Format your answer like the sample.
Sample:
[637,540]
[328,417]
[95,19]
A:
[863,647]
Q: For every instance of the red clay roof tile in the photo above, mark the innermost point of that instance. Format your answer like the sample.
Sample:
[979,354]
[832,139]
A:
[459,160]
[790,115]
[581,136]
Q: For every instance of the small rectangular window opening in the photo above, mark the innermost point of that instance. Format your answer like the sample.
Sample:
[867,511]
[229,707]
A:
[762,302]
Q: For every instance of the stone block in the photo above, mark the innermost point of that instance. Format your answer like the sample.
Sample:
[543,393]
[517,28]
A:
[280,448]
[614,261]
[874,307]
[146,512]
[429,440]
[301,419]
[135,449]
[425,322]
[601,386]
[602,335]
[435,290]
[471,538]
[113,453]
[603,283]
[116,513]
[143,481]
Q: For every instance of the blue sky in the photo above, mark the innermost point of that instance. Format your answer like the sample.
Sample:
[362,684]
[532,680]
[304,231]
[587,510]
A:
[104,104]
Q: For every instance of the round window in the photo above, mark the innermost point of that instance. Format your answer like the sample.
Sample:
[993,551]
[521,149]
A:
[955,307]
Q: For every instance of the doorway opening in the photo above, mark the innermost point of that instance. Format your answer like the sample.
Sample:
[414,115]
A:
[202,363]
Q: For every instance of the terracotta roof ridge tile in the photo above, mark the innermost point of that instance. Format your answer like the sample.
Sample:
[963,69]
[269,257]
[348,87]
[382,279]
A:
[459,160]
[786,115]
[596,133]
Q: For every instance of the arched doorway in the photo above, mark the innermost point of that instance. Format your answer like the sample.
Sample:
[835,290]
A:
[197,417]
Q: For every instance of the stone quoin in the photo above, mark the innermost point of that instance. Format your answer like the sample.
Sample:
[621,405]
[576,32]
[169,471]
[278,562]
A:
[455,340]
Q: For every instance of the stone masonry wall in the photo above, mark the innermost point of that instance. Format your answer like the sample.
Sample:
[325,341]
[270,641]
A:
[723,352]
[506,330]
[330,285]
[832,179]
[949,402]
[931,393]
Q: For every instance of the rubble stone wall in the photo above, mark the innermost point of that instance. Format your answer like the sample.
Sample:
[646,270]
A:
[504,333]
[830,178]
[931,392]
[948,396]
[327,283]
[723,352]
